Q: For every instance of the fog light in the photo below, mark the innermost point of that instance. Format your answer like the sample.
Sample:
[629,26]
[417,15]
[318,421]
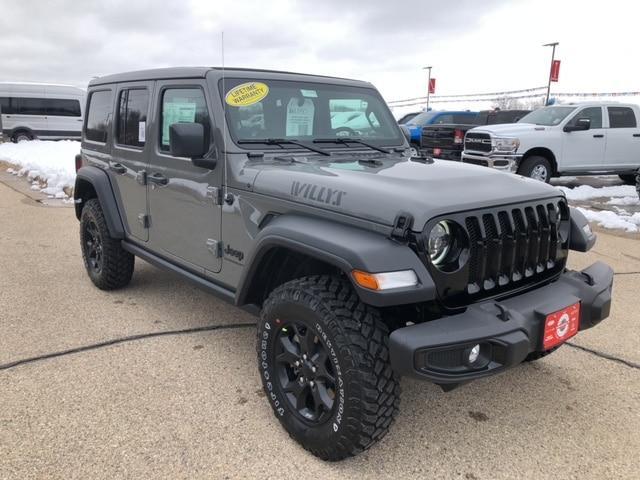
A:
[474,353]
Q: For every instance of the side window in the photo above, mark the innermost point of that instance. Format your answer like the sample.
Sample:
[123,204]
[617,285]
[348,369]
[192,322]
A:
[461,118]
[592,113]
[621,117]
[183,105]
[62,107]
[31,106]
[132,117]
[442,119]
[5,106]
[97,124]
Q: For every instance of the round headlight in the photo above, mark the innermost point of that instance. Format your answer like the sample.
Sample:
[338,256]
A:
[439,244]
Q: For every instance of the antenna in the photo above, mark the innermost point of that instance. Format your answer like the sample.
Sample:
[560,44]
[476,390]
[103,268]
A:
[224,124]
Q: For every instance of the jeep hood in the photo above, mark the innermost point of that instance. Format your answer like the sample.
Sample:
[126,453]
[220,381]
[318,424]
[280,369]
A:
[379,192]
[510,129]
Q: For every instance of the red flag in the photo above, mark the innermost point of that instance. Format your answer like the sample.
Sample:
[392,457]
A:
[555,70]
[432,85]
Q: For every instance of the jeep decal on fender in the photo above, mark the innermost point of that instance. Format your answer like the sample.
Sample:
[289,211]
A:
[316,193]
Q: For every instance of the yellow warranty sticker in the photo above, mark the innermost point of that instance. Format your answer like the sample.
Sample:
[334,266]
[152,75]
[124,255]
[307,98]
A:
[246,94]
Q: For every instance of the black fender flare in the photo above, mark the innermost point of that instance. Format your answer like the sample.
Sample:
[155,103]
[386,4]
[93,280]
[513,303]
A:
[345,247]
[99,180]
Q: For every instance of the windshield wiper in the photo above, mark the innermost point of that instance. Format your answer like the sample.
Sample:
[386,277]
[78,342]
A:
[347,140]
[282,141]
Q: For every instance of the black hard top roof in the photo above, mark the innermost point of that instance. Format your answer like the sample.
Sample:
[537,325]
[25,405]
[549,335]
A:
[202,72]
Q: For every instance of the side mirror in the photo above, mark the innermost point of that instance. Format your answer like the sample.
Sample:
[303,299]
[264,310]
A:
[580,125]
[187,140]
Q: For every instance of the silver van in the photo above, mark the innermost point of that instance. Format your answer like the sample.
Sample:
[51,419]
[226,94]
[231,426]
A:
[38,110]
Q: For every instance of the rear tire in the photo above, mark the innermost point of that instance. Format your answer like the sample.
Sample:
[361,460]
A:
[109,266]
[21,136]
[323,358]
[536,167]
[629,179]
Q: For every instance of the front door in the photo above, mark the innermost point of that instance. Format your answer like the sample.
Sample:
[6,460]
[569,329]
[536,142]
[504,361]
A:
[127,167]
[584,150]
[185,214]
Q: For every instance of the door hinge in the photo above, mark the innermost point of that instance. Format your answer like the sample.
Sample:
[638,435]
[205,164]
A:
[141,177]
[215,247]
[215,194]
[144,220]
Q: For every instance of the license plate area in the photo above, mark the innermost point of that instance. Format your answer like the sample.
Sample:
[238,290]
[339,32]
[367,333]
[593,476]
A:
[560,326]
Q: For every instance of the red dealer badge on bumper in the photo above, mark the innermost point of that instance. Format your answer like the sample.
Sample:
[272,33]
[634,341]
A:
[561,326]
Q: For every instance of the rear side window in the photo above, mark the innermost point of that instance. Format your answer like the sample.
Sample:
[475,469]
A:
[621,117]
[442,119]
[98,116]
[462,118]
[5,105]
[61,107]
[183,105]
[31,106]
[132,117]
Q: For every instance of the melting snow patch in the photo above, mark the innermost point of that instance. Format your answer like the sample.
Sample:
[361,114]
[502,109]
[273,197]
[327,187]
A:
[607,219]
[586,192]
[52,163]
[624,201]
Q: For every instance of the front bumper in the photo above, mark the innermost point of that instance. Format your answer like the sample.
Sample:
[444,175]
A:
[508,330]
[506,162]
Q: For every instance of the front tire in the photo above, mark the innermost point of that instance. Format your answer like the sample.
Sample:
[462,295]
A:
[628,179]
[323,358]
[109,266]
[536,167]
[21,136]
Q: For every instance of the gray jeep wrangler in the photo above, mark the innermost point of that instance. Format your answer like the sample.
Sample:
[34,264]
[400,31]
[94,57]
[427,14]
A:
[295,196]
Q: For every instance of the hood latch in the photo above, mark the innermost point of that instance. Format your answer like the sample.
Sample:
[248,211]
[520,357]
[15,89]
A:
[401,226]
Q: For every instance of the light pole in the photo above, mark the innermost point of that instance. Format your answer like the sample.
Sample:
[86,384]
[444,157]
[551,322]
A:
[428,85]
[553,54]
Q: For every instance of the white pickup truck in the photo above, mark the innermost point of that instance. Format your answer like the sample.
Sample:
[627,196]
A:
[573,139]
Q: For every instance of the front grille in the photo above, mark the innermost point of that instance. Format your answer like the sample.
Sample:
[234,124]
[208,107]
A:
[476,161]
[477,142]
[506,249]
[512,245]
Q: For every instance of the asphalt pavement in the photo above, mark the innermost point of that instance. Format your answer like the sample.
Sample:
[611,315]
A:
[191,405]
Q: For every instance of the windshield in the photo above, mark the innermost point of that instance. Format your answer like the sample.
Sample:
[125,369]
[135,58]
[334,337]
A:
[422,118]
[548,116]
[303,112]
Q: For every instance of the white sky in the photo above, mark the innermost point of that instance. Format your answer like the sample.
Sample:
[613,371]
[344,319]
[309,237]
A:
[474,46]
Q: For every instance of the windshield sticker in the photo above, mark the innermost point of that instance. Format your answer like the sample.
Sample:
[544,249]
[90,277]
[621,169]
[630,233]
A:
[176,112]
[300,117]
[246,94]
[309,93]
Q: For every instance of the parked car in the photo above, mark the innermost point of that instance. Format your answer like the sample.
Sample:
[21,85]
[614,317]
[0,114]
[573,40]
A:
[575,139]
[456,274]
[447,141]
[433,117]
[45,111]
[407,118]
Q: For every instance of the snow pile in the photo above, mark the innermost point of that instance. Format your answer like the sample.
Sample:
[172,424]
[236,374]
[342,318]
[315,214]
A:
[608,219]
[49,165]
[586,192]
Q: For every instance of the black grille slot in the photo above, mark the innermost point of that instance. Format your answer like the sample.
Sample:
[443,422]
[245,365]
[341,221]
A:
[508,247]
[475,161]
[477,142]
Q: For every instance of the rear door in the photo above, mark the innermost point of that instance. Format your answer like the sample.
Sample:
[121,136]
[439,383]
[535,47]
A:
[623,139]
[129,155]
[584,150]
[183,199]
[64,117]
[30,113]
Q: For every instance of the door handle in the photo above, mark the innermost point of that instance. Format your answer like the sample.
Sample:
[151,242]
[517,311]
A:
[598,135]
[158,179]
[118,168]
